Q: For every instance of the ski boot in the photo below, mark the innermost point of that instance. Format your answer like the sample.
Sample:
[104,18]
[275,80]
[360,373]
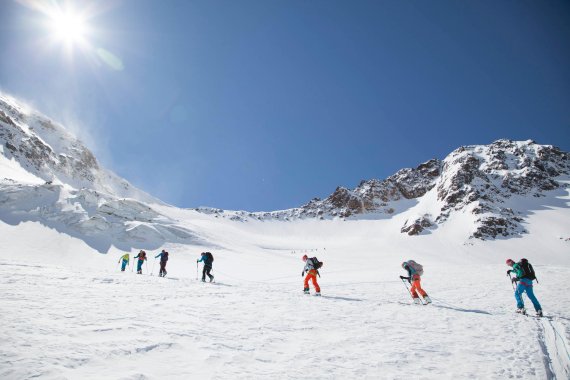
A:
[306,290]
[318,294]
[417,301]
[427,299]
[521,310]
[539,313]
[212,279]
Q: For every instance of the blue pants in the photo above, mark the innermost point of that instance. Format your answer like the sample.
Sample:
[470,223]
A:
[525,285]
[124,265]
[139,265]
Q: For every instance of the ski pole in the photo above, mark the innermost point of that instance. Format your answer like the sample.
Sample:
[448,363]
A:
[404,282]
[512,284]
[196,270]
[152,271]
[146,265]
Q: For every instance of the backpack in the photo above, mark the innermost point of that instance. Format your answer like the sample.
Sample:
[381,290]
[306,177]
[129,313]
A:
[527,269]
[210,257]
[316,263]
[417,267]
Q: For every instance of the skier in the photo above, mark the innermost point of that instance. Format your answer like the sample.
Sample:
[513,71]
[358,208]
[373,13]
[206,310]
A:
[126,259]
[163,259]
[414,277]
[142,257]
[208,260]
[524,276]
[311,268]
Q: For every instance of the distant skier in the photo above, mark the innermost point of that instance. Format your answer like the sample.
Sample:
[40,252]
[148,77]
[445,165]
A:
[524,275]
[126,259]
[312,266]
[142,257]
[208,260]
[163,259]
[415,272]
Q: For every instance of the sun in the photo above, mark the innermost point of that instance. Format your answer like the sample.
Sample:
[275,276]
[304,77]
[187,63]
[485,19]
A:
[68,27]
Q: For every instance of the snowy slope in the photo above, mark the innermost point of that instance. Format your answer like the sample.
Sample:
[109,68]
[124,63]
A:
[68,312]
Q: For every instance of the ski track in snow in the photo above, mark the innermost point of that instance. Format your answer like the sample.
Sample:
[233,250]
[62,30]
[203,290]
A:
[58,323]
[555,348]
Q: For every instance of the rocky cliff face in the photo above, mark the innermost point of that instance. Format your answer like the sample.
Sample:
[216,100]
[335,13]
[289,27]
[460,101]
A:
[484,178]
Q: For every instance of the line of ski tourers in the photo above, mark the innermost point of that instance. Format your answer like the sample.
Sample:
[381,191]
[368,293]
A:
[205,257]
[523,270]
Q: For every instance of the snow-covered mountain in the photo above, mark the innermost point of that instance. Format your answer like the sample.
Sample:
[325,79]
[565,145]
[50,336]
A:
[47,175]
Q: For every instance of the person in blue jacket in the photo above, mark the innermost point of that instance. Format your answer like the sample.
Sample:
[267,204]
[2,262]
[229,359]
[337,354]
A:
[163,259]
[208,260]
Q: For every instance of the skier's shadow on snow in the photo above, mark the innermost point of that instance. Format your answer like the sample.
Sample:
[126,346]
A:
[462,310]
[343,298]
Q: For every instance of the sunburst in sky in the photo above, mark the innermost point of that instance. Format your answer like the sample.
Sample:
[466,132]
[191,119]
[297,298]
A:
[66,25]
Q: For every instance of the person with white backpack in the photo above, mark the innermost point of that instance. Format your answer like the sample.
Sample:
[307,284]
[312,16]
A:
[415,271]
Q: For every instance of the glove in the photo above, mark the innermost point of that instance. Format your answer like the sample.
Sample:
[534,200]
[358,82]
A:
[509,271]
[515,279]
[302,273]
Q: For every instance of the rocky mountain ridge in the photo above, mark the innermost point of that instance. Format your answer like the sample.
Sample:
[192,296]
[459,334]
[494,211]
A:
[479,179]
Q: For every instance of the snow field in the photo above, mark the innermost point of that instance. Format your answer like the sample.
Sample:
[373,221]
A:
[61,322]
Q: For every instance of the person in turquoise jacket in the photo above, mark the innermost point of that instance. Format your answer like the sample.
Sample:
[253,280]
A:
[524,285]
[208,260]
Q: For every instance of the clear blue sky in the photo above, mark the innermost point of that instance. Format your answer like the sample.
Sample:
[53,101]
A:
[263,105]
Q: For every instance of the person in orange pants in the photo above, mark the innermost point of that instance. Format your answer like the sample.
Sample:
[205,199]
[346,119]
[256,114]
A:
[414,279]
[311,275]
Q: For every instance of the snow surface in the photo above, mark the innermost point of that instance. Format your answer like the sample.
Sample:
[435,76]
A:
[68,312]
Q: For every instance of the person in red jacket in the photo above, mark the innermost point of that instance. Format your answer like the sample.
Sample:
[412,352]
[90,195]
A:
[312,273]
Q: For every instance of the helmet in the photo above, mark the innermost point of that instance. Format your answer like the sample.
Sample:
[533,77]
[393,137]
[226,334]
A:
[305,257]
[510,261]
